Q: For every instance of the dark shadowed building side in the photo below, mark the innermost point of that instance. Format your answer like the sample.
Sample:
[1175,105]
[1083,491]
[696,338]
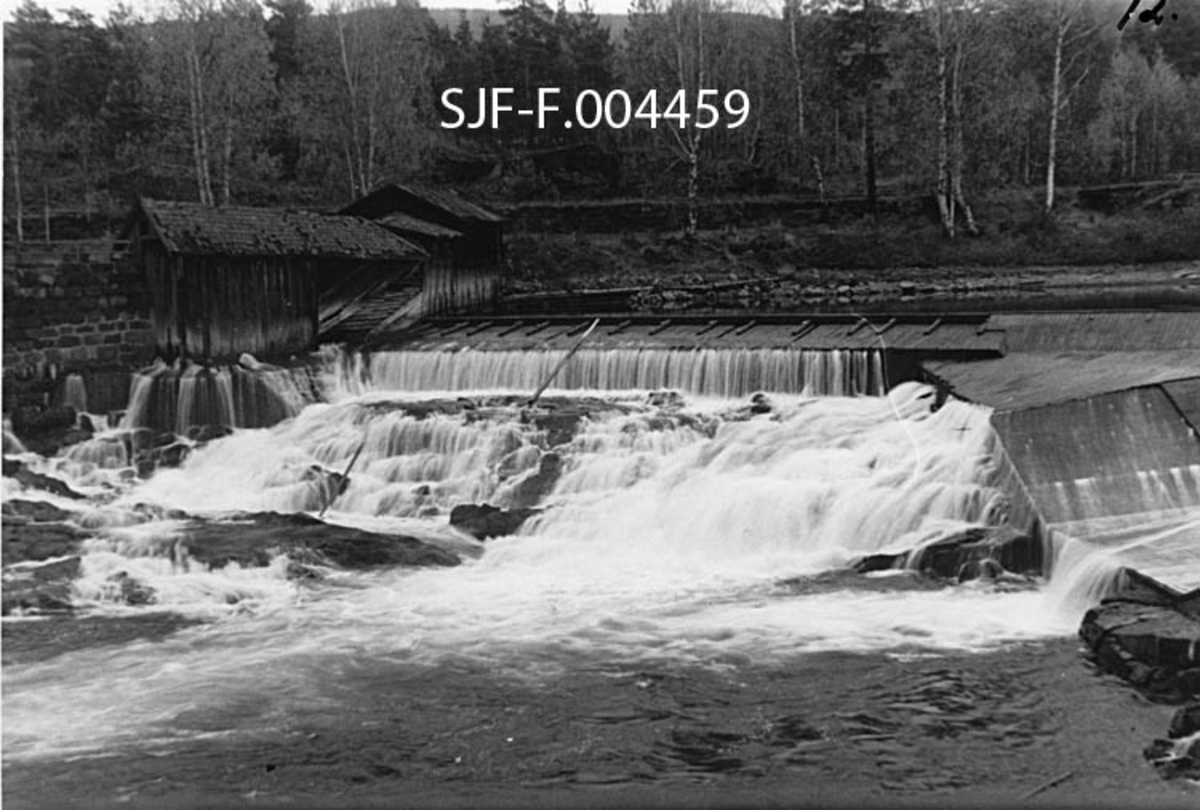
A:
[464,239]
[226,280]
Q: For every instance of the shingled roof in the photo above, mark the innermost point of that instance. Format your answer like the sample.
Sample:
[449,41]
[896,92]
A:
[456,208]
[204,230]
[411,225]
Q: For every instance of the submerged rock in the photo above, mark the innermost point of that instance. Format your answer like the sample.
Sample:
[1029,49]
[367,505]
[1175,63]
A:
[43,588]
[55,634]
[39,541]
[33,480]
[254,539]
[34,511]
[484,521]
[530,490]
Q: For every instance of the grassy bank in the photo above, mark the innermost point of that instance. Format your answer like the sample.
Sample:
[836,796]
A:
[1014,236]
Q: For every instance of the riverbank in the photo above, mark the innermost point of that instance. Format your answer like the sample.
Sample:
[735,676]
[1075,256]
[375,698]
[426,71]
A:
[1017,249]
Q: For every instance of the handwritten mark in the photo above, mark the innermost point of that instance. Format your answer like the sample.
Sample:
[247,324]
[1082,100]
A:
[1154,15]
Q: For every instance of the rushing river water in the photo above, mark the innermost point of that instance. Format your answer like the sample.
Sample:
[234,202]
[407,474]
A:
[680,610]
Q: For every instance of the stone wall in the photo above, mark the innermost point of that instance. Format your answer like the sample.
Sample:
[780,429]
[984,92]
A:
[70,308]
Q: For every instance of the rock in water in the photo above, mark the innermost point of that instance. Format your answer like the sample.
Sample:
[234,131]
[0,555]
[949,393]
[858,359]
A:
[43,589]
[131,591]
[1185,722]
[1149,643]
[979,552]
[35,511]
[973,553]
[32,480]
[254,539]
[483,521]
[39,541]
[529,491]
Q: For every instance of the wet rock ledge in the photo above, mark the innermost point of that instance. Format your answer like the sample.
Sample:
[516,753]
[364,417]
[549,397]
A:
[43,547]
[1149,635]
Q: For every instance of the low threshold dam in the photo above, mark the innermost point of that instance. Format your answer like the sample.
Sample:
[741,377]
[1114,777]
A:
[591,561]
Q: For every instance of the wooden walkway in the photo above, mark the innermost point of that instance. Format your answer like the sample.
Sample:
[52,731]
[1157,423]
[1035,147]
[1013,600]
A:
[957,334]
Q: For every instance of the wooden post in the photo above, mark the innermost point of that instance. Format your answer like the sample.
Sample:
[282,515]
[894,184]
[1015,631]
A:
[557,368]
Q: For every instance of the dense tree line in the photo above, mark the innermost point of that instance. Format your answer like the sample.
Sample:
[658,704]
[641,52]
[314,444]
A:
[233,101]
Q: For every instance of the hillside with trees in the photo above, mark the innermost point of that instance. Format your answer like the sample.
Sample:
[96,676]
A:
[233,101]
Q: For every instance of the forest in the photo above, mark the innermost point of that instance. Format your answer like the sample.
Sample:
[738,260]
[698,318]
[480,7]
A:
[237,102]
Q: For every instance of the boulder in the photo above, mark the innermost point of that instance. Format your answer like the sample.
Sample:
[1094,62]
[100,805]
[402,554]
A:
[1174,760]
[44,588]
[483,521]
[979,552]
[131,591]
[973,553]
[1154,647]
[760,403]
[1185,722]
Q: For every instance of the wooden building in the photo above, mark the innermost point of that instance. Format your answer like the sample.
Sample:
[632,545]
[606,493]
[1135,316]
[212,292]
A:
[464,239]
[226,280]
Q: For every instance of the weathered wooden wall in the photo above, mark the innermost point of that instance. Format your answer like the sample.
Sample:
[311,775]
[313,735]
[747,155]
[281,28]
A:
[449,289]
[218,307]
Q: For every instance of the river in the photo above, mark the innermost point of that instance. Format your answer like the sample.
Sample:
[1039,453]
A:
[678,625]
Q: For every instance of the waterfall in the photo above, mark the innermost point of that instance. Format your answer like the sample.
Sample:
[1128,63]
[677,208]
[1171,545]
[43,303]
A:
[180,400]
[668,531]
[75,393]
[704,372]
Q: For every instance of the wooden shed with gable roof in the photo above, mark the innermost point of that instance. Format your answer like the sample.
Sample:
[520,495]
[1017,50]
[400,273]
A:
[226,280]
[465,241]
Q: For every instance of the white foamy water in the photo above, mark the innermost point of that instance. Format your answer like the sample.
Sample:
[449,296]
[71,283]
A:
[668,536]
[706,372]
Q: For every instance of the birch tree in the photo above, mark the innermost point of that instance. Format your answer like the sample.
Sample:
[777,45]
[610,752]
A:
[1064,79]
[670,53]
[951,23]
[368,77]
[215,80]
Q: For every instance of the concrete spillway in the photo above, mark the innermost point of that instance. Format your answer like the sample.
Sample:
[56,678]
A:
[1098,415]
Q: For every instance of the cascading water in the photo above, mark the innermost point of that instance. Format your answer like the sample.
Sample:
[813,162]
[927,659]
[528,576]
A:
[704,372]
[691,530]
